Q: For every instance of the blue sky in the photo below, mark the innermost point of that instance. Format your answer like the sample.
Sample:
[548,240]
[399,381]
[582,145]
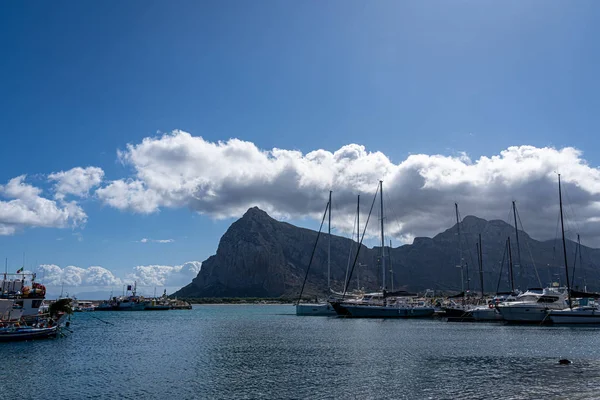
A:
[81,80]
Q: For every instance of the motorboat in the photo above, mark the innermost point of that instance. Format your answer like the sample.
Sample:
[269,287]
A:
[586,311]
[534,305]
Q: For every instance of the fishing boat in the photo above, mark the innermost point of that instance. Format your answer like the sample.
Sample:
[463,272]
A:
[15,332]
[158,304]
[126,302]
[26,299]
[19,318]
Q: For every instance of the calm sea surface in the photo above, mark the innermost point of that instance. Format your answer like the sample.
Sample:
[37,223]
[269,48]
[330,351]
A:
[266,352]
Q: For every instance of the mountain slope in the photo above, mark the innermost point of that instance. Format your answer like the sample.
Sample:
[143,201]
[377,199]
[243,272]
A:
[261,257]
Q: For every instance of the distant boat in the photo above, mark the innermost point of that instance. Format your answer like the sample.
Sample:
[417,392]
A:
[124,303]
[158,304]
[84,306]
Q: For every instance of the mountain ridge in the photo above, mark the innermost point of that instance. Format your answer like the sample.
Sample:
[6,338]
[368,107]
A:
[259,256]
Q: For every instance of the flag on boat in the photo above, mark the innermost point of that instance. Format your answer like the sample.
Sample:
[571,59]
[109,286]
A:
[20,270]
[128,287]
[33,277]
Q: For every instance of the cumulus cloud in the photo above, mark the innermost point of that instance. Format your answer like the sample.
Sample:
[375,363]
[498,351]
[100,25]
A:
[165,275]
[25,207]
[224,179]
[99,277]
[146,240]
[76,181]
[75,276]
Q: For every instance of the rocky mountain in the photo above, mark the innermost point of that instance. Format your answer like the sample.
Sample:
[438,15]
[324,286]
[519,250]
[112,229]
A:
[259,256]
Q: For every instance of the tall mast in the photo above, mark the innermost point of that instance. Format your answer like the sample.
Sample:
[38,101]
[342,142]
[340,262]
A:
[358,219]
[510,263]
[514,207]
[358,236]
[391,268]
[562,228]
[382,238]
[480,257]
[581,264]
[329,247]
[462,282]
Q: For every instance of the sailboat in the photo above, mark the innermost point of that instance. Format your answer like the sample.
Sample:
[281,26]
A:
[319,308]
[384,304]
[536,306]
[586,310]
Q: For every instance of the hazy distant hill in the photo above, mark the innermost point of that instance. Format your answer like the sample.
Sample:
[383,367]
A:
[261,257]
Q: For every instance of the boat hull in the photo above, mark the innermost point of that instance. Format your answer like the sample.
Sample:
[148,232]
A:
[524,314]
[456,312]
[574,317]
[21,334]
[366,311]
[320,310]
[486,314]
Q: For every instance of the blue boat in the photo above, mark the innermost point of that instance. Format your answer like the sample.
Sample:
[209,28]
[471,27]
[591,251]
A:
[19,333]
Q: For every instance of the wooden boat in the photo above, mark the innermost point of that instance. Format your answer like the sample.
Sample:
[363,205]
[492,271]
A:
[19,333]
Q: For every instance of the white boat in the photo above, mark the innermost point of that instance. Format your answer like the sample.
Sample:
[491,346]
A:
[534,305]
[587,311]
[490,312]
[84,306]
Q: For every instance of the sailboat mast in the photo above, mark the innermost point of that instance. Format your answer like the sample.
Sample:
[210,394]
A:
[480,256]
[391,268]
[358,219]
[514,207]
[358,236]
[562,228]
[462,282]
[382,238]
[329,247]
[510,263]
[581,264]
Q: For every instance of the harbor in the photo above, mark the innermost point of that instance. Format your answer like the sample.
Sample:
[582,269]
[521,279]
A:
[237,351]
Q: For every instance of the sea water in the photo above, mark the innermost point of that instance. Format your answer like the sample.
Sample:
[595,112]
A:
[267,352]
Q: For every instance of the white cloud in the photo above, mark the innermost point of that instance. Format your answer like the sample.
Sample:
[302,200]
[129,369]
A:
[54,275]
[26,208]
[76,181]
[165,275]
[129,195]
[146,240]
[224,179]
[96,277]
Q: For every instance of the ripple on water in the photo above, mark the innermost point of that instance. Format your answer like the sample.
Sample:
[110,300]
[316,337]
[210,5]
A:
[264,352]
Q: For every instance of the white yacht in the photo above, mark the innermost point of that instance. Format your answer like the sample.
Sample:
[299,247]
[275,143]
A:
[586,311]
[534,305]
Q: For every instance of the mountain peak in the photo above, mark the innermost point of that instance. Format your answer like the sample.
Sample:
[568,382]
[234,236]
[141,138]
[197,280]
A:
[256,214]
